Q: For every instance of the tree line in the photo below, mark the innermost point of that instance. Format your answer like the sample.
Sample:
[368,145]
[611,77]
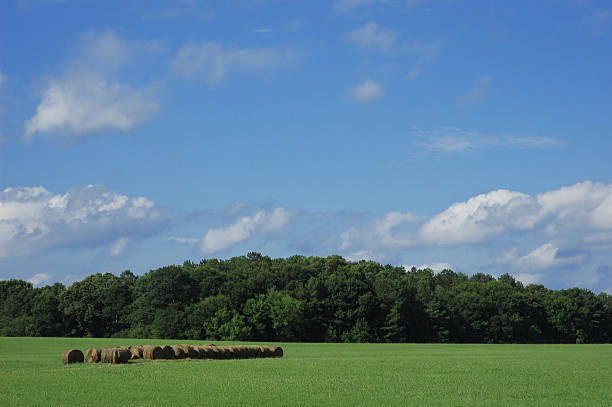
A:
[307,299]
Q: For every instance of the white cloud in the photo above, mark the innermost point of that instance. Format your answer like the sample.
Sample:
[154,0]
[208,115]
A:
[453,140]
[119,246]
[479,91]
[2,78]
[370,36]
[188,240]
[40,279]
[584,206]
[436,267]
[479,218]
[529,278]
[244,228]
[213,63]
[366,91]
[88,97]
[385,233]
[580,213]
[89,103]
[543,257]
[33,219]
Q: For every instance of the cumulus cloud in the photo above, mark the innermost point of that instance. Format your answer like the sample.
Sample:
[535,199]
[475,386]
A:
[507,227]
[88,97]
[543,257]
[88,103]
[371,36]
[453,140]
[479,91]
[582,211]
[585,206]
[213,63]
[244,228]
[479,218]
[366,91]
[40,279]
[33,219]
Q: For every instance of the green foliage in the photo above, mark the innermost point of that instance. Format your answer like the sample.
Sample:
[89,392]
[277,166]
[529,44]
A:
[307,299]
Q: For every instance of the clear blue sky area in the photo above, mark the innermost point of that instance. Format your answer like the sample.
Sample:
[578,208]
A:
[472,135]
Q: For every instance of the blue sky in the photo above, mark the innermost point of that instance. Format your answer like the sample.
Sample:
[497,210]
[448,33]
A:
[470,135]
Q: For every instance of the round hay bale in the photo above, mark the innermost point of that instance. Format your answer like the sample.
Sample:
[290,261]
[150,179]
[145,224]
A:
[223,352]
[179,352]
[266,352]
[212,352]
[152,352]
[185,349]
[93,355]
[193,352]
[256,351]
[123,355]
[277,351]
[230,352]
[168,352]
[239,352]
[72,356]
[115,355]
[136,352]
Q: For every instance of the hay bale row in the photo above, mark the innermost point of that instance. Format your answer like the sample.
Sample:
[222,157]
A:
[153,352]
[72,356]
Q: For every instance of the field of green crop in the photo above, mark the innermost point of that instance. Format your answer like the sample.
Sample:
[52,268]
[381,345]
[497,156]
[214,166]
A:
[31,373]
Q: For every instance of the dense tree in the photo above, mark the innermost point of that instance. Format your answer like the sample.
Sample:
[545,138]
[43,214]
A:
[300,298]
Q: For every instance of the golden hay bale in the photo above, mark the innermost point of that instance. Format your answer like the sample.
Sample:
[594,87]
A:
[230,353]
[239,352]
[255,351]
[179,352]
[223,352]
[93,355]
[136,351]
[72,356]
[212,352]
[115,355]
[193,352]
[266,352]
[168,352]
[185,349]
[152,352]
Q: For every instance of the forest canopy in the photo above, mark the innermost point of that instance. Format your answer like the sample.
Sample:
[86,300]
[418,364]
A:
[306,299]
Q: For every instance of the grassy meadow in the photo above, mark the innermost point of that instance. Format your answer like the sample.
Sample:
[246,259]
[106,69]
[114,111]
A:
[31,374]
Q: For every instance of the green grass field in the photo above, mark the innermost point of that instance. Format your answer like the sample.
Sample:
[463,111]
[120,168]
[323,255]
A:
[31,373]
